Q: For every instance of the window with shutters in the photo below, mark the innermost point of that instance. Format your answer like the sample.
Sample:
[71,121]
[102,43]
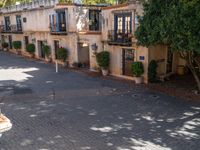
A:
[122,32]
[7,23]
[19,23]
[94,20]
[58,23]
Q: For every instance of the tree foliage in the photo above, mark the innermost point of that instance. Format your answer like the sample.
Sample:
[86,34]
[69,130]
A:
[174,23]
[4,3]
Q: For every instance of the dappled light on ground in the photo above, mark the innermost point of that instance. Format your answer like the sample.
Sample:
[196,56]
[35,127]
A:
[16,74]
[72,111]
[146,145]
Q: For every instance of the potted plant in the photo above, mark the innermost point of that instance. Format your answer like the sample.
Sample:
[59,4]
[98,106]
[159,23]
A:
[5,46]
[47,52]
[138,70]
[103,60]
[17,45]
[30,48]
[62,55]
[152,71]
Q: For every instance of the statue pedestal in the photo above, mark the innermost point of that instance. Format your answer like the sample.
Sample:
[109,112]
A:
[5,124]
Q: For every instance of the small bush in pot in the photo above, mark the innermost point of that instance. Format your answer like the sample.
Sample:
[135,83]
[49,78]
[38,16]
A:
[47,52]
[138,70]
[30,48]
[103,60]
[152,71]
[75,65]
[5,46]
[17,45]
[62,55]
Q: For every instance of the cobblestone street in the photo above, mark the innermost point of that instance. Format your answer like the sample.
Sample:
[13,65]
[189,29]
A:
[73,111]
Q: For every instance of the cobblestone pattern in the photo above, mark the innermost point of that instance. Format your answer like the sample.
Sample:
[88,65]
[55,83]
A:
[71,111]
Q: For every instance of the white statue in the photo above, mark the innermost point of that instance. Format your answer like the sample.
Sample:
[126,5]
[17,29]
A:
[5,124]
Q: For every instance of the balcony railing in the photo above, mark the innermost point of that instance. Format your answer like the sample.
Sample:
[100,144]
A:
[29,5]
[123,39]
[58,29]
[11,29]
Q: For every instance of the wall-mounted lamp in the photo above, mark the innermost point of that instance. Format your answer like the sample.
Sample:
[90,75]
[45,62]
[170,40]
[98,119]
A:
[45,42]
[94,48]
[33,40]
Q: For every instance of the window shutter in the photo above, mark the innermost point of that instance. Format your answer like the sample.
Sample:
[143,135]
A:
[50,22]
[57,22]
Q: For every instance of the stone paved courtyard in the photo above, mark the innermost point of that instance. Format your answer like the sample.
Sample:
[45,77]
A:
[72,111]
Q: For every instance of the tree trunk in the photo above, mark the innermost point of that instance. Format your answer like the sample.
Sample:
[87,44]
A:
[192,69]
[188,56]
[197,79]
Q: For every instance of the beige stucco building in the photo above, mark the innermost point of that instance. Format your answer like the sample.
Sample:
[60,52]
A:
[84,31]
[74,27]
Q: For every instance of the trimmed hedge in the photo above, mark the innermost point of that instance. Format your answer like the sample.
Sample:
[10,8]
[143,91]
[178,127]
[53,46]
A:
[5,45]
[46,49]
[30,48]
[137,69]
[17,45]
[62,54]
[152,71]
[103,59]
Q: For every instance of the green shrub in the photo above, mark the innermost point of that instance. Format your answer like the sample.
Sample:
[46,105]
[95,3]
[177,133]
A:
[103,59]
[47,50]
[30,48]
[152,71]
[5,45]
[62,54]
[137,69]
[17,45]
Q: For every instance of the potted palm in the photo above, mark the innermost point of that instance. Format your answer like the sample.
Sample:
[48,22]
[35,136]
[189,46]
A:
[17,45]
[103,60]
[138,70]
[5,46]
[62,55]
[47,52]
[30,48]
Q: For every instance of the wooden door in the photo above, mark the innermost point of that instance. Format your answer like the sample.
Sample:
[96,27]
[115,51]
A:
[128,59]
[10,41]
[26,40]
[169,61]
[56,47]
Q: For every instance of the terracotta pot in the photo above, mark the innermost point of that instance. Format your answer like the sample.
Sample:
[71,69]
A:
[64,64]
[138,80]
[104,72]
[48,59]
[181,70]
[32,55]
[19,52]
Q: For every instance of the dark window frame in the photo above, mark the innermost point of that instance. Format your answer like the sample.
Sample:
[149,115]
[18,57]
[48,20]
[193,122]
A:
[7,23]
[19,22]
[94,20]
[125,30]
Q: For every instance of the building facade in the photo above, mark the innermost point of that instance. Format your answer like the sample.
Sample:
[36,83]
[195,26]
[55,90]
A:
[85,30]
[74,27]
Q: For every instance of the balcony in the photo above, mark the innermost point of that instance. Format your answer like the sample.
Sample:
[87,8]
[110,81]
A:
[121,39]
[58,29]
[29,6]
[15,29]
